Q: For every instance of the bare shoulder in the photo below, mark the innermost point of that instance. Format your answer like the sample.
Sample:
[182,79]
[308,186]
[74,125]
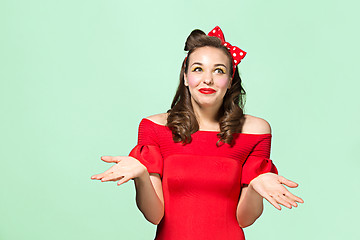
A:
[255,125]
[160,118]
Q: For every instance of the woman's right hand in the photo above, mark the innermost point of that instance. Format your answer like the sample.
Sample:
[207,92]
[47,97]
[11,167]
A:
[126,168]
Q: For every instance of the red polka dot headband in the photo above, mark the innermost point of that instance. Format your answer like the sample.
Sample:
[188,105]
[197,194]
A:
[236,53]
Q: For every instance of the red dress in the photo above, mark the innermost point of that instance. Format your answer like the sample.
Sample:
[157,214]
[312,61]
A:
[201,182]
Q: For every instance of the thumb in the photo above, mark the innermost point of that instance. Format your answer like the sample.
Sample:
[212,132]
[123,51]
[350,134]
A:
[287,182]
[111,159]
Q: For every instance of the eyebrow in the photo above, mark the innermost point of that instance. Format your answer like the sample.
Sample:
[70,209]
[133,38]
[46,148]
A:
[216,65]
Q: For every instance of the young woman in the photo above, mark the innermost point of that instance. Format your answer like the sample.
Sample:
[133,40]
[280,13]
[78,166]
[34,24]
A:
[202,169]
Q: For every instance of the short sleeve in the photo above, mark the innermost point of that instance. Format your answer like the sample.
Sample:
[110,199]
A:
[147,150]
[258,161]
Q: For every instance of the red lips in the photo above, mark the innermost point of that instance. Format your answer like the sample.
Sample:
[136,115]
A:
[206,90]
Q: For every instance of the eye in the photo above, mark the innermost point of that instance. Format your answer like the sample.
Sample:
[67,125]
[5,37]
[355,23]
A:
[219,70]
[197,69]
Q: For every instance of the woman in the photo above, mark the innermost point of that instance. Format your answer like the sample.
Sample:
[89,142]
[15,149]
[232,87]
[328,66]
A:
[202,169]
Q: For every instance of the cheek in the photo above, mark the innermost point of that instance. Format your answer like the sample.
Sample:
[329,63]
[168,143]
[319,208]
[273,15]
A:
[193,80]
[222,82]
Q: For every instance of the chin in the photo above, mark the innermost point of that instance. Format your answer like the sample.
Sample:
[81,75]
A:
[206,104]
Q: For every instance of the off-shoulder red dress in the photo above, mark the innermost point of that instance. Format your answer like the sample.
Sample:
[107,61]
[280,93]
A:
[201,182]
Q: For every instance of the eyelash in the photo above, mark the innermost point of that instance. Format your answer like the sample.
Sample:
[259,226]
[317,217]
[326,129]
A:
[221,71]
[194,70]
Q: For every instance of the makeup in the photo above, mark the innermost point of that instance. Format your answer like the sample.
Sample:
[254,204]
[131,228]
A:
[207,90]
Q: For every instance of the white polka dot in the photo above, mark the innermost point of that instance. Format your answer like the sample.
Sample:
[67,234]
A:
[241,53]
[234,54]
[225,44]
[235,61]
[234,48]
[214,31]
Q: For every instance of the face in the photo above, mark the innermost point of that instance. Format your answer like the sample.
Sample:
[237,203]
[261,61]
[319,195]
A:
[208,76]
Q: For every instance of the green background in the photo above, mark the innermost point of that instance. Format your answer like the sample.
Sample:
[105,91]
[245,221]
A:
[78,76]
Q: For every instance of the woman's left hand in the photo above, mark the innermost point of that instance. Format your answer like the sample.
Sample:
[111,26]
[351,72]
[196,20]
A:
[270,186]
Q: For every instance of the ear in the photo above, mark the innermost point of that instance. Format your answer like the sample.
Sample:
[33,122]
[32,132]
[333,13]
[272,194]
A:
[185,80]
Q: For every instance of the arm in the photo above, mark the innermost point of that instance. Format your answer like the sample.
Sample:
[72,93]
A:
[144,166]
[250,207]
[269,186]
[149,197]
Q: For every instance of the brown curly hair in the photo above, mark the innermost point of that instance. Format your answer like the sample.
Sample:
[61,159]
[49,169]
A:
[181,118]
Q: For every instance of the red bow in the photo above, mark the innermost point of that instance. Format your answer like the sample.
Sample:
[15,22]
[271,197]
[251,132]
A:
[236,53]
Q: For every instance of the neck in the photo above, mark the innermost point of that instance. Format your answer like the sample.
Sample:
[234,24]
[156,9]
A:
[207,116]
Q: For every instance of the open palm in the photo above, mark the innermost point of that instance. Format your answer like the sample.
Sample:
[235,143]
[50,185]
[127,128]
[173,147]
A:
[271,187]
[126,168]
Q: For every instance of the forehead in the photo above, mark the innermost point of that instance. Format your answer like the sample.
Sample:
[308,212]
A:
[209,55]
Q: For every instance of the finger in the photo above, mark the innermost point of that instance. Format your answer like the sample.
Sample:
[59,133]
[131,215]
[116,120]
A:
[113,179]
[293,197]
[96,176]
[113,176]
[111,159]
[110,170]
[290,200]
[101,175]
[283,201]
[288,182]
[272,201]
[123,180]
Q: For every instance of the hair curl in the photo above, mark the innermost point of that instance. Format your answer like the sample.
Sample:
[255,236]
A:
[181,118]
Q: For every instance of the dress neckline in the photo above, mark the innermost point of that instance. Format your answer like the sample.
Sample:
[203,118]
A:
[209,131]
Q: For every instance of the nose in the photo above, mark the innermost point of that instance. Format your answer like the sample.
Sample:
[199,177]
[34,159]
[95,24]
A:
[208,78]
